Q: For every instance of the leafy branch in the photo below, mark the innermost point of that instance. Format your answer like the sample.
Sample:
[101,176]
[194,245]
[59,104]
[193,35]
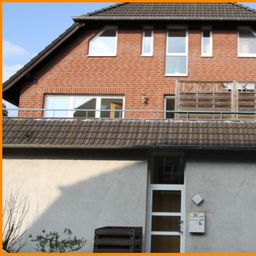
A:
[52,242]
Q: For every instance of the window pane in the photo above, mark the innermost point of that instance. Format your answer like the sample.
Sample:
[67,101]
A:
[165,243]
[166,201]
[147,33]
[84,103]
[176,65]
[59,104]
[165,223]
[247,42]
[206,43]
[147,42]
[111,32]
[176,41]
[104,44]
[168,170]
[113,106]
[170,105]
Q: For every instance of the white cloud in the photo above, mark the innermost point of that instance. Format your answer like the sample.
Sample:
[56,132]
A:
[11,50]
[9,70]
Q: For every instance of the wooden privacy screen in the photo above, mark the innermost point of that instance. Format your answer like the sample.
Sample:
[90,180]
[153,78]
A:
[215,96]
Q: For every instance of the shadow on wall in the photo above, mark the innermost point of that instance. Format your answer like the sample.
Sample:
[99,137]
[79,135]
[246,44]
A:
[115,198]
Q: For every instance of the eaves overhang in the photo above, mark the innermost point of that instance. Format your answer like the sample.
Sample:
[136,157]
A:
[137,147]
[158,18]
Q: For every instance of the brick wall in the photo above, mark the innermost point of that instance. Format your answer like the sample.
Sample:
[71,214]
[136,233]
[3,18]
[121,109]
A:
[71,71]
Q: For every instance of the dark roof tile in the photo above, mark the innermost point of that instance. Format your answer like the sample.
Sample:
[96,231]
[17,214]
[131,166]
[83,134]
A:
[173,10]
[127,133]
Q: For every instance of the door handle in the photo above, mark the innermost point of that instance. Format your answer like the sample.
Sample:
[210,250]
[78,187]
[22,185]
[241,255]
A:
[180,226]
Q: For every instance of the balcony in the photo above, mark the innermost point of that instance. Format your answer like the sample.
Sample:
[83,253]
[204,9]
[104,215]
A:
[228,100]
[193,100]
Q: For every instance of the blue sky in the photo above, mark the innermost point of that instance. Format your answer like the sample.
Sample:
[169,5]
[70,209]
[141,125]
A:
[29,27]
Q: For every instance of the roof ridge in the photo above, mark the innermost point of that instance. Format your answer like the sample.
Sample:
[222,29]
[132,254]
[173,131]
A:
[105,9]
[244,7]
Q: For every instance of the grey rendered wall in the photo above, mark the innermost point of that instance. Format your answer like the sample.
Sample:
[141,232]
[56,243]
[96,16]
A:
[78,194]
[227,183]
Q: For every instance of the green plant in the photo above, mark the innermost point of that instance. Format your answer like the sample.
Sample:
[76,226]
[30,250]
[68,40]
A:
[52,242]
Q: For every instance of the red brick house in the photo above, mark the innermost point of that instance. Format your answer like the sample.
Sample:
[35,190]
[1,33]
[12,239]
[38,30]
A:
[152,106]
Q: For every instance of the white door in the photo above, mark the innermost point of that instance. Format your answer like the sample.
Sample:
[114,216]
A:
[165,220]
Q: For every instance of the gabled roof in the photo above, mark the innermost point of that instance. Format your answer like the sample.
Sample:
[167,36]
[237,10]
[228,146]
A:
[125,133]
[172,11]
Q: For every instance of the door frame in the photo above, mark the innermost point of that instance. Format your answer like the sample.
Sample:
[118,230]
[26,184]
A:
[171,187]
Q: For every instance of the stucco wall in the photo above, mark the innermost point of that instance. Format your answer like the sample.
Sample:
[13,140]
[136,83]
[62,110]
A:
[227,184]
[78,194]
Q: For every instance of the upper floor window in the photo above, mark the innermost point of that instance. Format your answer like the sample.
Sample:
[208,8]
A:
[176,63]
[246,42]
[147,42]
[206,42]
[104,43]
[84,106]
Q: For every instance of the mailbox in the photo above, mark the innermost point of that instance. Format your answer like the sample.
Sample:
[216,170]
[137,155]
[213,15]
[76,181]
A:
[196,222]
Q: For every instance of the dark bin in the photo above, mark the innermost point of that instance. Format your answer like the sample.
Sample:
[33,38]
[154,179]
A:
[118,239]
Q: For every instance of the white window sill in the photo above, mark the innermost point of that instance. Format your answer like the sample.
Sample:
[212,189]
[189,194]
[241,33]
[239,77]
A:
[146,55]
[96,55]
[206,56]
[246,56]
[176,75]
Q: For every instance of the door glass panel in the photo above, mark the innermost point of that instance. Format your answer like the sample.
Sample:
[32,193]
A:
[165,223]
[166,201]
[165,243]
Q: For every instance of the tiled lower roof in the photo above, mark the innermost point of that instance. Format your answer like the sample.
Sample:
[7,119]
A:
[124,133]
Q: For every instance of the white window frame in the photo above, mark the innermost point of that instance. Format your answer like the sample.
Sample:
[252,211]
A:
[170,187]
[177,54]
[242,55]
[152,42]
[96,36]
[72,100]
[211,41]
